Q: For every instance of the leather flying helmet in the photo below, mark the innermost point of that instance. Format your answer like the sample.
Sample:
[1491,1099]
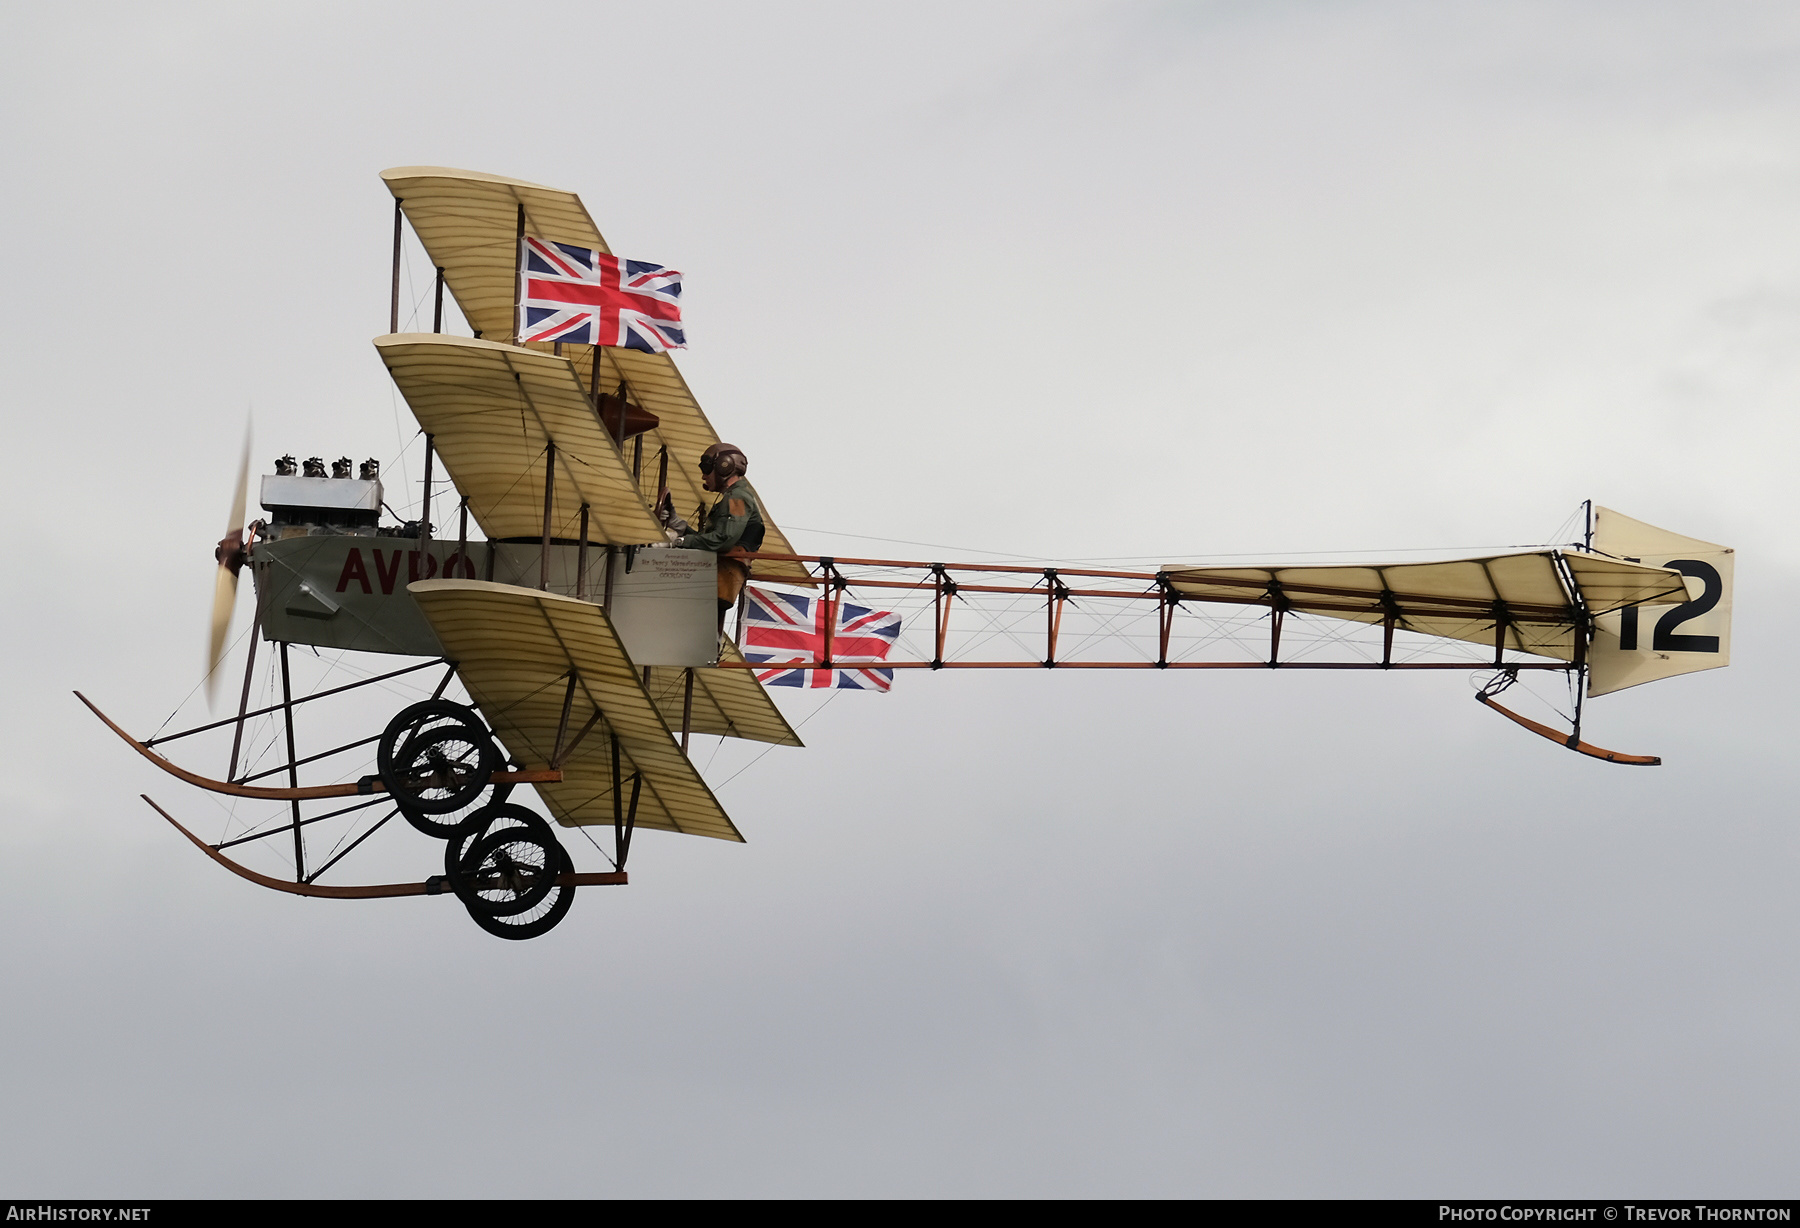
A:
[725,459]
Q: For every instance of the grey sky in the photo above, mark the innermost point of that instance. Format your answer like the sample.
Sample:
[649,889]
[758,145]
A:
[1076,280]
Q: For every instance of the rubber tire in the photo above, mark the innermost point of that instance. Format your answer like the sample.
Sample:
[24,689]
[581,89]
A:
[560,900]
[487,758]
[471,864]
[444,826]
[413,719]
[484,824]
[480,824]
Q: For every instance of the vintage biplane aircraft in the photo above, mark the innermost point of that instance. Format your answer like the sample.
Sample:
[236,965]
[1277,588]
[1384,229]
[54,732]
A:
[589,661]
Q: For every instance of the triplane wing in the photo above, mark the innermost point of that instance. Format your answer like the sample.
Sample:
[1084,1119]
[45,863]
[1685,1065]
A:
[727,702]
[497,416]
[471,224]
[557,687]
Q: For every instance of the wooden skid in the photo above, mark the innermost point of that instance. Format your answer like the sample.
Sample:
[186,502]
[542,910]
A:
[367,785]
[1568,740]
[376,891]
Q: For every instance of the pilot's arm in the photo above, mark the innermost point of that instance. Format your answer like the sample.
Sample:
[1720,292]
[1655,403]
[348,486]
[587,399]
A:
[725,526]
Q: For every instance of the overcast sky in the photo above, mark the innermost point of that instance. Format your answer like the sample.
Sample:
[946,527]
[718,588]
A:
[1179,280]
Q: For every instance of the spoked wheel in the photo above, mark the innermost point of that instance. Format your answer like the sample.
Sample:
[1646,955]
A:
[443,826]
[502,863]
[480,824]
[416,719]
[435,759]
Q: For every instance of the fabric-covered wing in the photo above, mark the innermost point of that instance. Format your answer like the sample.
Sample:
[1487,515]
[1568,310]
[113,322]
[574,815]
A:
[728,703]
[1460,599]
[491,411]
[468,222]
[515,649]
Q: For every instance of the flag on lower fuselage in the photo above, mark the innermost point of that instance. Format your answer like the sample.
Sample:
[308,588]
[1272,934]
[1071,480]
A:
[579,294]
[781,627]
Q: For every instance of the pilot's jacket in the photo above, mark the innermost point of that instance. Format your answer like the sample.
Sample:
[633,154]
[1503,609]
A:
[735,521]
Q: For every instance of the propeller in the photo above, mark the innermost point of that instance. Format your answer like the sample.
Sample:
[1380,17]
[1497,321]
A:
[231,554]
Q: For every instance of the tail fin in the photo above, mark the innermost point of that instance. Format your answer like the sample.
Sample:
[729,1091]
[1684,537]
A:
[1644,644]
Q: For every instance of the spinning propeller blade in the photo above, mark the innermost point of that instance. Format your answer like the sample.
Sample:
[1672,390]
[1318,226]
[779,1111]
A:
[230,555]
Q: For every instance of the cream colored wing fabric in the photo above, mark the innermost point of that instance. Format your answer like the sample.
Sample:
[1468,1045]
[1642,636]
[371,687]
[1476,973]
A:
[656,384]
[728,703]
[1613,584]
[514,649]
[1460,599]
[491,410]
[468,223]
[1690,633]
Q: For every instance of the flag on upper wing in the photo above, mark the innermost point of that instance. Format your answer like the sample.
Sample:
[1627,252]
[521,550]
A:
[580,294]
[781,627]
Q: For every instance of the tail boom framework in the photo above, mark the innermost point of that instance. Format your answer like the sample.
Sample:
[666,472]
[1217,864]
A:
[1516,607]
[1512,612]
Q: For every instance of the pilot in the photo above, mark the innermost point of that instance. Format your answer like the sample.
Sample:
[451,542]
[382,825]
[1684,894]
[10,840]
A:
[734,527]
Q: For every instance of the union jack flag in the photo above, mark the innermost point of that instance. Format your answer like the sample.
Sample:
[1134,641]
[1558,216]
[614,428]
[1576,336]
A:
[779,627]
[579,294]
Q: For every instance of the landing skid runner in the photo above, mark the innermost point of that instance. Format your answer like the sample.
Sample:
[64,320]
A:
[441,768]
[1572,739]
